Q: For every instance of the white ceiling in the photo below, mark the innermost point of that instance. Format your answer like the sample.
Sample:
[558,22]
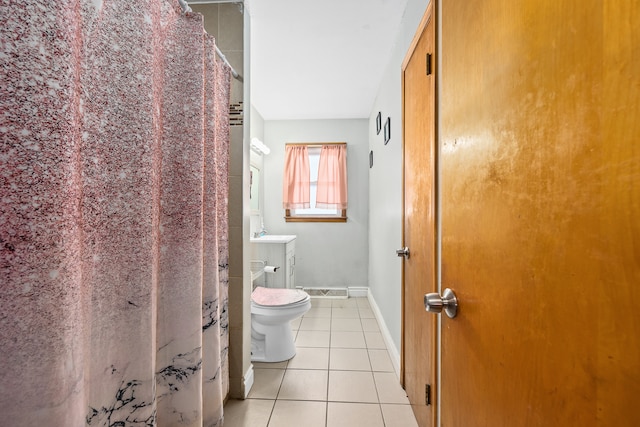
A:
[324,59]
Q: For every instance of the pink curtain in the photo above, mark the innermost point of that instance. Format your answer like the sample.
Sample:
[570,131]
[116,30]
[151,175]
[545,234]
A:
[332,177]
[114,136]
[295,181]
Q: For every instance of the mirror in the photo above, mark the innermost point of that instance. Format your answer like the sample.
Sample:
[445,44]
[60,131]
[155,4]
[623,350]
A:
[254,186]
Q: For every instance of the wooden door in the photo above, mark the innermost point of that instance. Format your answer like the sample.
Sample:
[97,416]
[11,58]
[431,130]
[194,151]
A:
[540,181]
[419,269]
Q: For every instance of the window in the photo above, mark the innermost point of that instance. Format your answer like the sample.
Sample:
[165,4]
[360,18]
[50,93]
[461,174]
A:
[312,169]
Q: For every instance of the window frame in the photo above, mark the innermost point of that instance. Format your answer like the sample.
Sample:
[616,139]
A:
[292,217]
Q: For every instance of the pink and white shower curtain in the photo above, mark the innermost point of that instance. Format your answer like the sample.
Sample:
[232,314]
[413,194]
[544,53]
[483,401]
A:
[114,142]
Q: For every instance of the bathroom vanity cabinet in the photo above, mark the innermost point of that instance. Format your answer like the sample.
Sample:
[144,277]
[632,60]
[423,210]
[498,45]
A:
[278,251]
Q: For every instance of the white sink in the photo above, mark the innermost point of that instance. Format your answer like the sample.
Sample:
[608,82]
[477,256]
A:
[274,238]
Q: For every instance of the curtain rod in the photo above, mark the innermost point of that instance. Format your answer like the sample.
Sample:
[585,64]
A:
[185,8]
[315,144]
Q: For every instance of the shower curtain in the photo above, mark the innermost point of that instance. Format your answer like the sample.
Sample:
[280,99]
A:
[114,139]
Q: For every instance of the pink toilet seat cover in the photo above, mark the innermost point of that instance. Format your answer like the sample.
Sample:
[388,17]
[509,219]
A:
[276,296]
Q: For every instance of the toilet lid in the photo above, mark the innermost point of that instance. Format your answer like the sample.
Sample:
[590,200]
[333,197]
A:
[274,297]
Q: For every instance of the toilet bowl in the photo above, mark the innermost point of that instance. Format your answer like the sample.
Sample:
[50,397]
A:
[271,311]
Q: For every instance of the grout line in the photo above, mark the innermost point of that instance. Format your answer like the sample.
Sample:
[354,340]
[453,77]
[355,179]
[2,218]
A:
[326,410]
[271,413]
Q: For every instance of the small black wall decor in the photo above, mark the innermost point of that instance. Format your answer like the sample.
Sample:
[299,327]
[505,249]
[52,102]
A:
[378,123]
[370,159]
[387,130]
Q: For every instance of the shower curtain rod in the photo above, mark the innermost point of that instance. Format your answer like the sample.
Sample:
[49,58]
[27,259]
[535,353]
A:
[224,59]
[185,8]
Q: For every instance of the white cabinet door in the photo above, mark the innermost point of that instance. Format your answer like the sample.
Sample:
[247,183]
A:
[277,254]
[290,279]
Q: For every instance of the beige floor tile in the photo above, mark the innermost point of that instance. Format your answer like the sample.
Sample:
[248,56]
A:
[345,313]
[350,386]
[313,339]
[247,413]
[318,312]
[370,325]
[320,302]
[346,325]
[266,383]
[310,358]
[315,324]
[291,413]
[360,389]
[349,359]
[380,361]
[347,339]
[389,389]
[366,313]
[270,365]
[398,416]
[344,303]
[304,384]
[363,302]
[374,340]
[354,414]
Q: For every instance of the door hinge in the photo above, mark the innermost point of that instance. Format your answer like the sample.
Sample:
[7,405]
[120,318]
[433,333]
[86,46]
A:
[427,394]
[429,64]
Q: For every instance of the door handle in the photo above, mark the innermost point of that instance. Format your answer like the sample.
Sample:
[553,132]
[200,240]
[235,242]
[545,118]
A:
[403,252]
[434,303]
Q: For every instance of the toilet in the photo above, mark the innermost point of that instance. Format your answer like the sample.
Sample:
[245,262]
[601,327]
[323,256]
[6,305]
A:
[271,311]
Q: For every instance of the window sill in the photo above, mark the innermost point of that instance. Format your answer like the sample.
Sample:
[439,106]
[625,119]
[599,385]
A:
[315,219]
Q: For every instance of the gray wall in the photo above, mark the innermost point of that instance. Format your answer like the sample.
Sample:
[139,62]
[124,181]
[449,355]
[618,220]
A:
[327,254]
[385,182]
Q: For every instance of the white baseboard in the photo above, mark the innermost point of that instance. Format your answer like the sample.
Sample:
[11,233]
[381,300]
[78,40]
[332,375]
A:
[327,292]
[394,354]
[358,291]
[333,292]
[248,381]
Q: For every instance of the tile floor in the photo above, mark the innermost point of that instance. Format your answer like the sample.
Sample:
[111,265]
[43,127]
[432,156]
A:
[341,376]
